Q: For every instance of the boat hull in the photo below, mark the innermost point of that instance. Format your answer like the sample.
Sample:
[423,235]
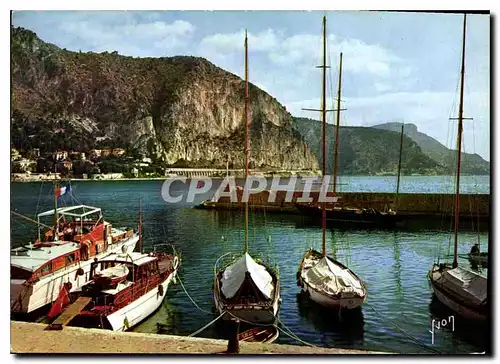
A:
[348,300]
[332,302]
[28,298]
[479,259]
[260,313]
[349,217]
[140,309]
[472,313]
[253,314]
[260,334]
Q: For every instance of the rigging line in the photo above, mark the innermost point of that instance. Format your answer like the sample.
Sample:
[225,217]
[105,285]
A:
[19,223]
[330,84]
[75,198]
[292,335]
[194,303]
[246,321]
[207,325]
[222,256]
[38,202]
[31,220]
[449,141]
[475,181]
[417,341]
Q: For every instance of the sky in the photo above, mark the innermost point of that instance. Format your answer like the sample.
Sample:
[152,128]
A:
[401,67]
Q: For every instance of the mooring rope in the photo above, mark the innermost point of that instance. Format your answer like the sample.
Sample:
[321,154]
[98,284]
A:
[245,321]
[417,341]
[292,335]
[207,325]
[283,329]
[191,299]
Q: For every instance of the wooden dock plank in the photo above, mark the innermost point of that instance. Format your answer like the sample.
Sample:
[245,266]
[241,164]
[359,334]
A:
[69,313]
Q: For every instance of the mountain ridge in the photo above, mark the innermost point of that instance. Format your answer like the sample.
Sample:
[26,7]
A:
[172,109]
[470,163]
[179,110]
[365,150]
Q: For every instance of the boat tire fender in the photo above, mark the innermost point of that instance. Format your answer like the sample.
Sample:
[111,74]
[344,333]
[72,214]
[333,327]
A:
[160,290]
[79,272]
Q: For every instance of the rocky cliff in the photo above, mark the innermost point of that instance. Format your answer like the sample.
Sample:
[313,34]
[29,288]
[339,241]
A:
[471,163]
[177,110]
[367,151]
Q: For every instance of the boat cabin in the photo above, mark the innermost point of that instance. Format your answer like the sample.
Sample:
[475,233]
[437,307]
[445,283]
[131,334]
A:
[81,235]
[119,279]
[73,223]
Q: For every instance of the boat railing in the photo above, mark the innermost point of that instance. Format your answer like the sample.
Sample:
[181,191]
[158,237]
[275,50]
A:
[269,262]
[135,291]
[166,248]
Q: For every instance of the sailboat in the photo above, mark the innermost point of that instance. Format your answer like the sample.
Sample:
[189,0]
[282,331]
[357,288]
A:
[327,281]
[63,254]
[462,290]
[339,213]
[247,288]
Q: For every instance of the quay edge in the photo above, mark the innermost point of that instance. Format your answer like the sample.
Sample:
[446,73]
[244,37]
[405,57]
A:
[32,338]
[418,205]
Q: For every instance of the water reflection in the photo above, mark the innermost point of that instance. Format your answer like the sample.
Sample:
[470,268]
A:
[337,327]
[393,265]
[166,320]
[397,269]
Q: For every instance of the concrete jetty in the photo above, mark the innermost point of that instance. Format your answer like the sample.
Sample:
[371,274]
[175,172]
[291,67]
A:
[32,338]
[412,206]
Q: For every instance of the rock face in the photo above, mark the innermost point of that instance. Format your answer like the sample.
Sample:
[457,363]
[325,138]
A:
[367,151]
[470,163]
[176,110]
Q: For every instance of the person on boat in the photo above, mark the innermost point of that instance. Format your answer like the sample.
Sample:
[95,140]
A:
[475,249]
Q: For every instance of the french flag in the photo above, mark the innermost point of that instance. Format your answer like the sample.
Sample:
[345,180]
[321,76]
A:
[63,190]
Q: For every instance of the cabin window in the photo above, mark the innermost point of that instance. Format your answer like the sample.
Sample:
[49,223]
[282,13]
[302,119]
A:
[70,259]
[47,268]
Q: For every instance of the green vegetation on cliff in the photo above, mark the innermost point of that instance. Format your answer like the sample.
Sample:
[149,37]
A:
[471,163]
[170,109]
[366,150]
[185,111]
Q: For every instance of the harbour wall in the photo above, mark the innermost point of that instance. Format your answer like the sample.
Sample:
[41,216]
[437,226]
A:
[416,211]
[411,203]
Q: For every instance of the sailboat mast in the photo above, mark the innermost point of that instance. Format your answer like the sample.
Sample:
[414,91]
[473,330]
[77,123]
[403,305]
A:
[399,165]
[337,130]
[140,227]
[459,146]
[56,218]
[323,120]
[247,150]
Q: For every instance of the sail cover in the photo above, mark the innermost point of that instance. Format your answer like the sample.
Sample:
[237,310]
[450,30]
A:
[330,278]
[234,276]
[470,285]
